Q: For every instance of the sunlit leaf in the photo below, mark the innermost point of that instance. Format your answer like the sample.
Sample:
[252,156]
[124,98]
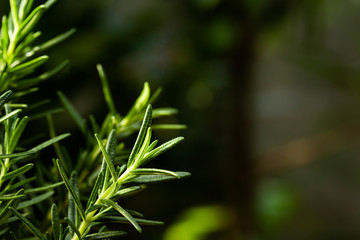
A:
[122,212]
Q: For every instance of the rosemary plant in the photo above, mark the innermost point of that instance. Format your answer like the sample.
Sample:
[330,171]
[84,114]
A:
[105,169]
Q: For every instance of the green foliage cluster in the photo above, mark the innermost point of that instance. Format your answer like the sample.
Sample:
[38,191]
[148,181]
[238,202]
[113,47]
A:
[103,171]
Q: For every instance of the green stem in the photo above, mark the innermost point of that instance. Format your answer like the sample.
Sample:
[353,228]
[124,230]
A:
[105,195]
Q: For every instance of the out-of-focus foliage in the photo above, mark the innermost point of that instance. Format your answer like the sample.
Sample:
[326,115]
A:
[200,222]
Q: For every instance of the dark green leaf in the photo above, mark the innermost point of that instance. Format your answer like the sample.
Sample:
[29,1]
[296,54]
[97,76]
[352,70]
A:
[140,221]
[58,39]
[11,196]
[18,171]
[28,224]
[33,81]
[106,90]
[94,193]
[17,133]
[105,235]
[111,145]
[73,227]
[15,218]
[50,142]
[48,237]
[5,213]
[107,158]
[20,183]
[71,190]
[44,188]
[14,155]
[73,112]
[55,221]
[35,200]
[13,236]
[74,183]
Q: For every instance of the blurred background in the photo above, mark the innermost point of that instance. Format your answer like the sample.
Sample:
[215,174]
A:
[269,90]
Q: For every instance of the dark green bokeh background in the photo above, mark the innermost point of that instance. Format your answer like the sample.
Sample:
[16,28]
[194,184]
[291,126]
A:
[269,90]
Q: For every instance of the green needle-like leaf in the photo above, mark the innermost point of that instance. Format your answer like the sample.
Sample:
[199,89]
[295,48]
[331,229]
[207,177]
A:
[71,190]
[44,188]
[19,184]
[123,212]
[26,83]
[5,34]
[58,39]
[142,100]
[17,172]
[5,213]
[96,189]
[29,66]
[151,171]
[143,131]
[24,8]
[75,185]
[105,235]
[30,22]
[50,142]
[107,159]
[14,155]
[28,224]
[14,12]
[81,122]
[73,227]
[17,133]
[5,97]
[140,221]
[160,112]
[169,126]
[106,89]
[144,147]
[152,146]
[94,207]
[55,221]
[35,200]
[147,179]
[128,191]
[161,149]
[9,115]
[11,196]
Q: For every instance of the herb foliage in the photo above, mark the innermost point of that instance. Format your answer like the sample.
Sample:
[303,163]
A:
[104,171]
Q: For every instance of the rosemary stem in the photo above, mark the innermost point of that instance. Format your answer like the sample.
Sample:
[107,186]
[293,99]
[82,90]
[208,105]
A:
[105,195]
